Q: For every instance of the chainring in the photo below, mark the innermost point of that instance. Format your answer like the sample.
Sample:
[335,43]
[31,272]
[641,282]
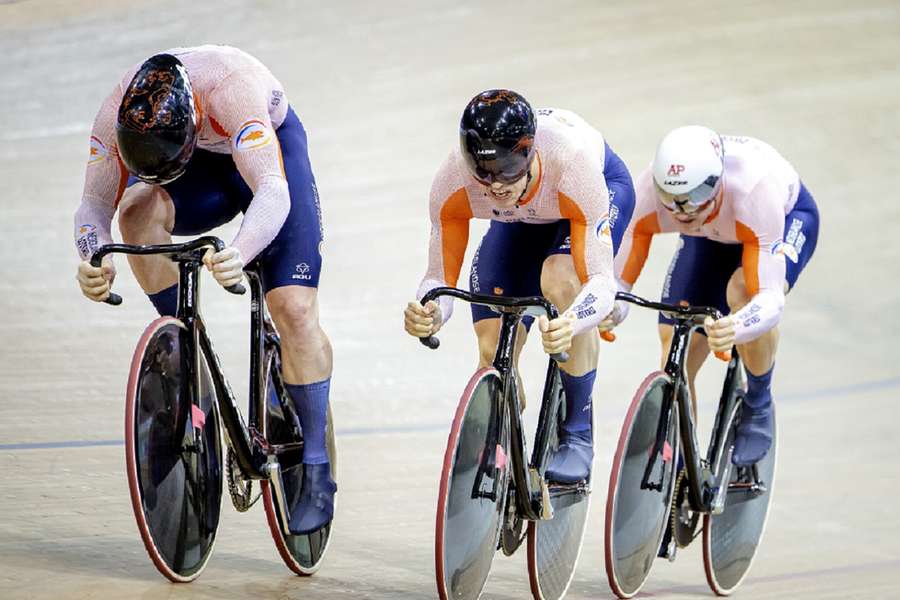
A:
[684,520]
[239,488]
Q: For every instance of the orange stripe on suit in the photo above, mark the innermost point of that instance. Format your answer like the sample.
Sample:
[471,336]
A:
[455,216]
[577,230]
[644,230]
[750,256]
[123,182]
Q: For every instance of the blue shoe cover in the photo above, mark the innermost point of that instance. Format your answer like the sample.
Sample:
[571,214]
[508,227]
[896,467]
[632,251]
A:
[316,506]
[572,462]
[754,436]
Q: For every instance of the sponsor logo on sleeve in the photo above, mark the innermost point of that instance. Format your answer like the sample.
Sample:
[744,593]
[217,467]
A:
[277,95]
[585,308]
[603,230]
[86,240]
[252,135]
[98,151]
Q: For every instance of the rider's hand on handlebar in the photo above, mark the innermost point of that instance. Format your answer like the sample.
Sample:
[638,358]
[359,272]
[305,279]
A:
[226,266]
[720,334]
[556,335]
[615,316]
[422,321]
[96,281]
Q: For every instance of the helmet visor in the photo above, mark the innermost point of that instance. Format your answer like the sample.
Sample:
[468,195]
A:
[693,201]
[155,157]
[489,162]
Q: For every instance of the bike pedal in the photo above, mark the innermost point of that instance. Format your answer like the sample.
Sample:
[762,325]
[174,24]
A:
[273,470]
[546,504]
[671,551]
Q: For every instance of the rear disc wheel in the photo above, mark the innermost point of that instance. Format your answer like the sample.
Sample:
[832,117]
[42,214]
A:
[303,554]
[554,545]
[731,539]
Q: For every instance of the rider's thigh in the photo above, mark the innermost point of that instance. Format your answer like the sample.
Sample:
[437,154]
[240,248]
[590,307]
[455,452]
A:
[146,215]
[488,332]
[665,339]
[559,281]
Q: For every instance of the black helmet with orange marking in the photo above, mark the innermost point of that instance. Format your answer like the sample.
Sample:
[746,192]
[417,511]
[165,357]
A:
[156,129]
[496,136]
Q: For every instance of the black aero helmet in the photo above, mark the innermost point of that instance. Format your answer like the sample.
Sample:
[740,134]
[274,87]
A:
[157,125]
[496,136]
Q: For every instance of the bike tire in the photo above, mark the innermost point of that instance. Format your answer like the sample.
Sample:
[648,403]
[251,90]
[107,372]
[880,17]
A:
[173,452]
[467,528]
[554,545]
[732,538]
[303,554]
[636,519]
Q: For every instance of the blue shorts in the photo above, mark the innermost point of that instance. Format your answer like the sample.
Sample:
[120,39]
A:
[700,270]
[211,192]
[510,258]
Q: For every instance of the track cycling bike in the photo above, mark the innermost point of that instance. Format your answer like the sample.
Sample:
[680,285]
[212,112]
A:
[649,494]
[489,489]
[178,406]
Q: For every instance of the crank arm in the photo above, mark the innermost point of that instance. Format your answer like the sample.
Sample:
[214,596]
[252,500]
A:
[274,471]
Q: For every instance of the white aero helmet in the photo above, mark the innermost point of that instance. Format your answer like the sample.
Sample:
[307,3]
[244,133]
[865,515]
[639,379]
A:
[688,162]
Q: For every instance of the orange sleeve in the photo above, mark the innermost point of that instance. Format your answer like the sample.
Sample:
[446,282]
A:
[577,230]
[454,222]
[644,230]
[750,257]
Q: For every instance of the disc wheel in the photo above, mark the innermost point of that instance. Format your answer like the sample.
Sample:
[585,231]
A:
[636,519]
[731,539]
[554,545]
[173,451]
[303,554]
[473,489]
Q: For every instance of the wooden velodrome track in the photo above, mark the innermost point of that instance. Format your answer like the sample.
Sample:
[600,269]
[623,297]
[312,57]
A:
[380,86]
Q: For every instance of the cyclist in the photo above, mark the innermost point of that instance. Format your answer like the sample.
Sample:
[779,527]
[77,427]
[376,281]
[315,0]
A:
[185,142]
[747,227]
[558,199]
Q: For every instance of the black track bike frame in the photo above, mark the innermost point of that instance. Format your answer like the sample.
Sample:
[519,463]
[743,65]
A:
[705,482]
[532,492]
[250,447]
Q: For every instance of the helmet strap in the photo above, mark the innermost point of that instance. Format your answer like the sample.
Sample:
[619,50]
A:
[528,178]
